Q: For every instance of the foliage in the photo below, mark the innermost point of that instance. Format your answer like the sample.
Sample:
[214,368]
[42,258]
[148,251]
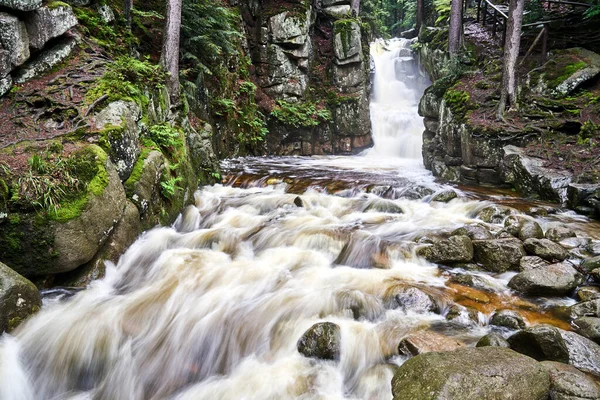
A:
[442,8]
[459,102]
[304,114]
[593,11]
[170,186]
[166,136]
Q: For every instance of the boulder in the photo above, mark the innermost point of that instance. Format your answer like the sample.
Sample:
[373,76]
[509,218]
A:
[19,298]
[498,255]
[383,206]
[121,132]
[445,196]
[553,279]
[493,339]
[584,198]
[5,65]
[508,319]
[14,39]
[590,308]
[470,374]
[595,274]
[532,262]
[322,341]
[5,85]
[412,299]
[425,342]
[586,293]
[47,23]
[339,11]
[453,249]
[45,61]
[530,230]
[475,232]
[588,327]
[494,214]
[568,383]
[474,281]
[347,45]
[583,353]
[590,264]
[21,5]
[286,28]
[546,249]
[144,189]
[513,224]
[558,233]
[461,315]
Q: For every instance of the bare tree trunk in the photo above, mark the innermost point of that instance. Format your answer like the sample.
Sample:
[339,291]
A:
[355,5]
[127,8]
[420,7]
[508,93]
[455,29]
[170,50]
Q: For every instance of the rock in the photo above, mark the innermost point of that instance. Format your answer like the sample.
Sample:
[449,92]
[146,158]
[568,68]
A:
[494,214]
[453,249]
[558,233]
[202,155]
[429,105]
[583,197]
[492,339]
[322,341]
[340,11]
[14,39]
[498,255]
[530,230]
[595,274]
[461,315]
[542,342]
[546,249]
[409,34]
[508,319]
[21,5]
[554,279]
[475,232]
[298,201]
[590,308]
[79,239]
[19,298]
[583,353]
[588,327]
[119,123]
[473,295]
[531,262]
[144,191]
[106,13]
[347,45]
[5,85]
[445,196]
[383,206]
[568,383]
[289,29]
[283,78]
[474,281]
[470,374]
[5,64]
[590,264]
[572,243]
[45,61]
[46,23]
[412,299]
[586,293]
[513,224]
[425,342]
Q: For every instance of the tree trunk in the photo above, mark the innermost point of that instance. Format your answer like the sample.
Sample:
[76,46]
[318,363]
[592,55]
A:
[508,93]
[355,5]
[420,7]
[127,8]
[170,50]
[455,29]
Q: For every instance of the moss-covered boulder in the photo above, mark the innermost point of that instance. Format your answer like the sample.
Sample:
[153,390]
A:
[19,298]
[322,341]
[469,374]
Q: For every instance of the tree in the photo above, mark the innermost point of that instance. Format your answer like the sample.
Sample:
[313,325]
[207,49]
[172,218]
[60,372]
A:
[420,8]
[508,93]
[455,29]
[169,58]
[355,5]
[127,9]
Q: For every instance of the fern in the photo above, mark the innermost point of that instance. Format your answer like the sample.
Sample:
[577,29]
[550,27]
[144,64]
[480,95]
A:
[442,8]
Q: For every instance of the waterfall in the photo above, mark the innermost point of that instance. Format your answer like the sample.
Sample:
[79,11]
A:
[398,85]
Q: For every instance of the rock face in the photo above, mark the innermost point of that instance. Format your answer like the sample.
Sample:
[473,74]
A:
[19,298]
[45,61]
[21,5]
[14,39]
[554,279]
[47,23]
[321,341]
[499,255]
[473,373]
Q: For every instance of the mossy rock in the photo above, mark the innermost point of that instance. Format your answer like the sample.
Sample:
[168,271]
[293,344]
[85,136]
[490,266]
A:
[19,298]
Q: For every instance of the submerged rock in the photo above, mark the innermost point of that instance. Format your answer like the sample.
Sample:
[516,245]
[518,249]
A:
[453,249]
[554,279]
[19,298]
[471,374]
[499,255]
[568,383]
[322,341]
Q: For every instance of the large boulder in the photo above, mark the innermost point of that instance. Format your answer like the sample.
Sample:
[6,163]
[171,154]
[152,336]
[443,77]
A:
[453,249]
[530,230]
[47,23]
[322,341]
[14,39]
[553,279]
[590,264]
[589,308]
[546,249]
[499,255]
[426,342]
[568,383]
[558,233]
[21,5]
[588,327]
[19,298]
[483,373]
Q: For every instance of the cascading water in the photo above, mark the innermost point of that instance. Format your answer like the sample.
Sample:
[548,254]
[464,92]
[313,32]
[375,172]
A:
[213,307]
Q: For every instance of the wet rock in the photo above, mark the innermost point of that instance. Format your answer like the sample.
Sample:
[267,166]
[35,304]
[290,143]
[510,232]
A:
[572,243]
[384,206]
[14,39]
[425,342]
[542,342]
[298,202]
[595,274]
[461,315]
[494,214]
[590,308]
[546,249]
[46,23]
[412,299]
[469,374]
[590,264]
[19,298]
[558,233]
[583,197]
[513,224]
[532,262]
[475,232]
[144,191]
[498,255]
[508,319]
[45,61]
[588,327]
[322,341]
[583,353]
[568,383]
[594,247]
[473,295]
[21,5]
[453,249]
[492,339]
[586,293]
[445,196]
[553,279]
[473,281]
[530,230]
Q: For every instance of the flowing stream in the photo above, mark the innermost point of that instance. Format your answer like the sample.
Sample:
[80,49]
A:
[213,306]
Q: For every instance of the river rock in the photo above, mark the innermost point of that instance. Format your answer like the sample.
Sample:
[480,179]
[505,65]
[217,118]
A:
[453,249]
[445,196]
[508,319]
[554,279]
[595,274]
[322,341]
[513,224]
[19,298]
[412,299]
[471,374]
[494,214]
[586,293]
[590,308]
[583,353]
[591,263]
[532,262]
[384,206]
[530,230]
[493,339]
[558,233]
[588,327]
[21,5]
[461,315]
[546,249]
[425,342]
[568,383]
[14,39]
[474,232]
[498,255]
[47,23]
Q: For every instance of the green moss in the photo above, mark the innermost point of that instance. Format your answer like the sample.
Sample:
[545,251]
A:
[459,102]
[138,168]
[344,28]
[558,76]
[305,114]
[57,4]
